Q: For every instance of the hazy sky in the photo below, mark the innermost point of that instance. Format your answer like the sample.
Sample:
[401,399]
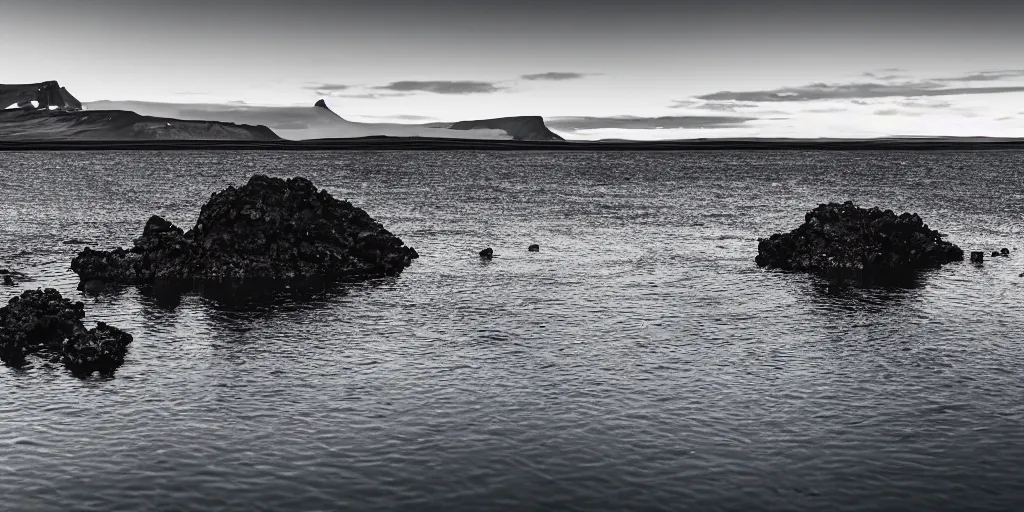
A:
[622,69]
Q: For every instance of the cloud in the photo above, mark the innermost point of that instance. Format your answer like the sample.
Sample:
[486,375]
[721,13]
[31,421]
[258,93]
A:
[896,112]
[985,76]
[442,87]
[404,117]
[327,87]
[717,106]
[825,110]
[916,103]
[556,76]
[888,77]
[372,96]
[822,91]
[644,123]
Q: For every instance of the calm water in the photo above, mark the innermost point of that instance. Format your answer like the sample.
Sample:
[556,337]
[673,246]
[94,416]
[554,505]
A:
[640,361]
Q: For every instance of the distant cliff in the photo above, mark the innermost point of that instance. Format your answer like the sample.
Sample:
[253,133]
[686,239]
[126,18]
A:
[45,94]
[520,128]
[119,125]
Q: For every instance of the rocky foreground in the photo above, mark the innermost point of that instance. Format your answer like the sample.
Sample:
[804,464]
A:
[843,238]
[269,228]
[44,323]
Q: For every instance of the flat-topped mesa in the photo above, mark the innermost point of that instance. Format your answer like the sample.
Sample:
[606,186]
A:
[44,323]
[843,238]
[519,128]
[267,229]
[46,95]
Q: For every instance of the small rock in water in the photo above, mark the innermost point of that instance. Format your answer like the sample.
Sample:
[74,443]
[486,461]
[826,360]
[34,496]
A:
[487,253]
[8,281]
[42,322]
[534,248]
[100,349]
[977,257]
[996,254]
[843,238]
[1005,251]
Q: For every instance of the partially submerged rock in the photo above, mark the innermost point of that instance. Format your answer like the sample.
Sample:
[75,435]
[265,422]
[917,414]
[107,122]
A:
[42,322]
[101,349]
[842,238]
[487,253]
[267,229]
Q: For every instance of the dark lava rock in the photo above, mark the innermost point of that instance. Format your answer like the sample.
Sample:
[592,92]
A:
[533,248]
[977,257]
[843,238]
[42,322]
[100,349]
[487,253]
[267,229]
[996,254]
[1004,251]
[8,280]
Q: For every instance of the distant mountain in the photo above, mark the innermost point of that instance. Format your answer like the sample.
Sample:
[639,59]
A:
[294,123]
[118,125]
[45,95]
[520,128]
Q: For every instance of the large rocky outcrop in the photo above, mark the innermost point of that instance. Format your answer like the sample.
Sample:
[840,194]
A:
[44,323]
[46,94]
[843,238]
[268,229]
[520,128]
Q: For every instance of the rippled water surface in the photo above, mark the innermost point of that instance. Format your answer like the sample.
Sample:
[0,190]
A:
[639,361]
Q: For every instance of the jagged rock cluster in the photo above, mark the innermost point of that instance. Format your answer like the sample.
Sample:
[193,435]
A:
[42,322]
[267,229]
[844,238]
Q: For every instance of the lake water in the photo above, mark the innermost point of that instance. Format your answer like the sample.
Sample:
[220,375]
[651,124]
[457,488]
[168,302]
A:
[639,361]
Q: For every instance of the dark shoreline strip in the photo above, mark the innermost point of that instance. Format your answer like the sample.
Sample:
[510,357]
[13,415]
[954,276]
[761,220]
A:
[431,144]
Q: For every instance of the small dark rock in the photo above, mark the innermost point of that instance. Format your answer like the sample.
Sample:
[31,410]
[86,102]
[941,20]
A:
[996,254]
[534,248]
[977,257]
[8,281]
[1004,251]
[269,229]
[100,349]
[44,323]
[487,253]
[843,238]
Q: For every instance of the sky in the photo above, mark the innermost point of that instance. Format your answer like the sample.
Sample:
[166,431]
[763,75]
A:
[641,69]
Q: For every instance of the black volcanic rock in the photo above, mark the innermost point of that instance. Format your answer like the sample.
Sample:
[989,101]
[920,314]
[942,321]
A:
[100,349]
[842,238]
[42,322]
[520,128]
[487,253]
[321,103]
[267,229]
[119,125]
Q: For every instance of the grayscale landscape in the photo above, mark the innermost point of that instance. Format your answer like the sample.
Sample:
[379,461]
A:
[559,256]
